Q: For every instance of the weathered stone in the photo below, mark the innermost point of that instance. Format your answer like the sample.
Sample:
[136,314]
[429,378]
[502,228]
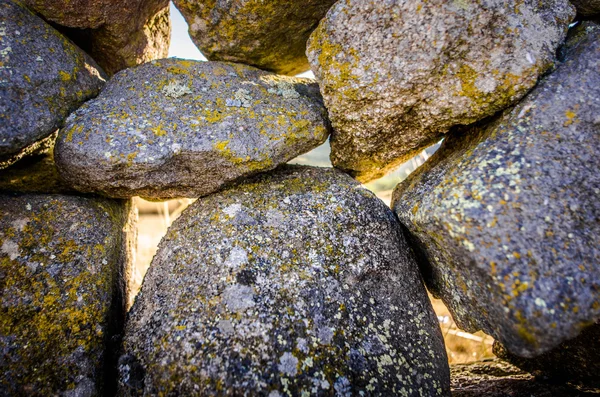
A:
[506,214]
[576,360]
[299,281]
[117,33]
[63,267]
[270,35]
[178,128]
[494,378]
[43,77]
[397,75]
[587,8]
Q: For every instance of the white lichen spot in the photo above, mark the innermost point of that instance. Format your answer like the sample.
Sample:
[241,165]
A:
[11,249]
[20,223]
[237,257]
[540,302]
[232,210]
[238,297]
[176,89]
[226,327]
[288,364]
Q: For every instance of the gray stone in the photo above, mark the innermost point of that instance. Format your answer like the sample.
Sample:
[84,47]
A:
[43,77]
[64,263]
[117,33]
[397,75]
[494,378]
[270,35]
[506,214]
[299,281]
[178,128]
[575,361]
[587,8]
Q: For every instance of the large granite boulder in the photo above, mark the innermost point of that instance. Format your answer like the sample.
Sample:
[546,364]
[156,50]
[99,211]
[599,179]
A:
[298,282]
[63,267]
[43,78]
[575,361]
[178,128]
[117,33]
[506,214]
[494,378]
[397,75]
[587,8]
[270,35]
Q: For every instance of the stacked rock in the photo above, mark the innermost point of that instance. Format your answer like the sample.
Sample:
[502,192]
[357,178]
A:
[289,280]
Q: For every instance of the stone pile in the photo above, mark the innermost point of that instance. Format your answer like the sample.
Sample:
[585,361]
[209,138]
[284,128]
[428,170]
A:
[294,280]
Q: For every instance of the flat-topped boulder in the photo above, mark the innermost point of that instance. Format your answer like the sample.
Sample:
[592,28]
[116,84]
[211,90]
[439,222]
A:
[43,78]
[397,75]
[178,128]
[296,282]
[505,215]
[117,33]
[270,35]
[64,263]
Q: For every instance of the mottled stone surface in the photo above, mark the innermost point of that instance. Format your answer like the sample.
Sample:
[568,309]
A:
[576,360]
[587,8]
[270,35]
[397,75]
[494,378]
[117,33]
[298,281]
[43,77]
[506,215]
[64,261]
[178,128]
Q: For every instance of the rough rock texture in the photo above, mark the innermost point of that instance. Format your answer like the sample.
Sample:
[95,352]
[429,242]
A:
[178,128]
[43,77]
[397,75]
[587,8]
[296,282]
[270,35]
[494,378]
[506,215]
[63,268]
[576,360]
[117,33]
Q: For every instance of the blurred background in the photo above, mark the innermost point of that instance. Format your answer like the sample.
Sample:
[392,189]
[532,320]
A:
[156,217]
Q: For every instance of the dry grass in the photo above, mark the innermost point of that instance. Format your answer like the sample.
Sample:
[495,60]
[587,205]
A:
[155,218]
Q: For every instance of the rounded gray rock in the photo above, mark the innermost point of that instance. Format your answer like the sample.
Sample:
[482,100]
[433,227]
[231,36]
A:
[505,215]
[178,128]
[397,75]
[270,35]
[64,267]
[43,78]
[297,282]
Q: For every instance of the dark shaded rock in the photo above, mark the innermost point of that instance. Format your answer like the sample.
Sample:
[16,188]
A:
[397,75]
[117,33]
[43,78]
[298,281]
[587,8]
[494,378]
[507,214]
[64,267]
[178,128]
[270,35]
[576,360]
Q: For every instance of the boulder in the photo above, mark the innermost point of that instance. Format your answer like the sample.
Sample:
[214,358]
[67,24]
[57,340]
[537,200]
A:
[575,361]
[63,267]
[298,282]
[587,8]
[505,214]
[117,33]
[397,75]
[494,378]
[178,128]
[43,78]
[270,35]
